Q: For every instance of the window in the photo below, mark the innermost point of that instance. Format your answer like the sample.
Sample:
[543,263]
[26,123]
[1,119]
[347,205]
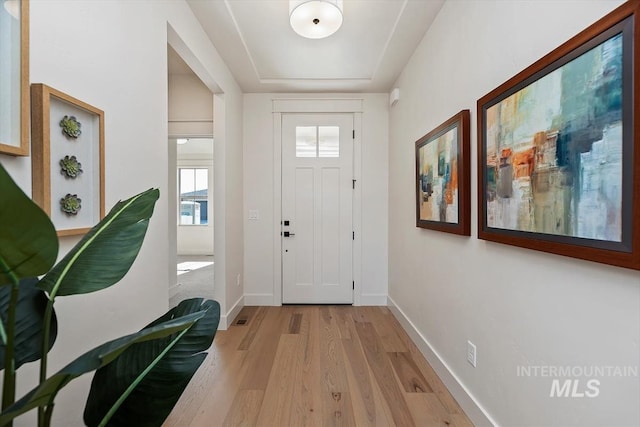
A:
[317,141]
[194,198]
[329,141]
[306,145]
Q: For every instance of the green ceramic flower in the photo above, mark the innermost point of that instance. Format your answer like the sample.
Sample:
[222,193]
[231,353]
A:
[70,126]
[71,204]
[70,166]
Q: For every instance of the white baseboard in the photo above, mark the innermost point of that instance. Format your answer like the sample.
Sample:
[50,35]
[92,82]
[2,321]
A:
[373,299]
[226,319]
[258,299]
[465,399]
[267,299]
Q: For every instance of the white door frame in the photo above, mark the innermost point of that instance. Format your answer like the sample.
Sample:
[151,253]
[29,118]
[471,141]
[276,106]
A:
[282,106]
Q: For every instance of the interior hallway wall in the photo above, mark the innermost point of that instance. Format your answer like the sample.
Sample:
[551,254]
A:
[190,107]
[259,195]
[113,55]
[519,307]
[191,115]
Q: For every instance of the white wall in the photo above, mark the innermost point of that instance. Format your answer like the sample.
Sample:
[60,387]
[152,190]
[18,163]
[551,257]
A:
[113,54]
[259,195]
[191,115]
[190,107]
[537,309]
[227,131]
[232,227]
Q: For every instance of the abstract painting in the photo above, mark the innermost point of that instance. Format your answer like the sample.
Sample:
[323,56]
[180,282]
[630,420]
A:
[556,158]
[442,177]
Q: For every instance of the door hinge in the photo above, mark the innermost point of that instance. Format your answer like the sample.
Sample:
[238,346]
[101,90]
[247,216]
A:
[353,284]
[353,184]
[354,134]
[353,235]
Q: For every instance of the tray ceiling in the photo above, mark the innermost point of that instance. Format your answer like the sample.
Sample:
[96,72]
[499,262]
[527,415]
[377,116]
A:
[366,54]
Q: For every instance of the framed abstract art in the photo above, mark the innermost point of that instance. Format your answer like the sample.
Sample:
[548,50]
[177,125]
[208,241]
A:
[442,177]
[558,151]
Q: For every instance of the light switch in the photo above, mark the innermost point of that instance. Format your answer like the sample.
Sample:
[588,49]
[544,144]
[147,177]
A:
[254,214]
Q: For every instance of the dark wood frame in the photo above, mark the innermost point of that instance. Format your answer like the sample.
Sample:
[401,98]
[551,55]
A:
[625,253]
[463,227]
[41,96]
[22,148]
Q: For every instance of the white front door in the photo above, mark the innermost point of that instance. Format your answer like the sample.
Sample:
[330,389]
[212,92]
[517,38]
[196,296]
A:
[317,173]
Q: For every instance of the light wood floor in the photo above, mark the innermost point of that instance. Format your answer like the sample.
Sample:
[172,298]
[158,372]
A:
[316,366]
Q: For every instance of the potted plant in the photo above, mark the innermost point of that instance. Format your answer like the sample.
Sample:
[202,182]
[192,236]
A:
[139,377]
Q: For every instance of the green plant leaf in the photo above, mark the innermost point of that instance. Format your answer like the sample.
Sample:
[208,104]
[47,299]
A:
[155,373]
[100,356]
[29,319]
[28,240]
[106,252]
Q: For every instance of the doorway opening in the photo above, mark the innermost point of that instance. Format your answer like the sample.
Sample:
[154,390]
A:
[195,230]
[191,182]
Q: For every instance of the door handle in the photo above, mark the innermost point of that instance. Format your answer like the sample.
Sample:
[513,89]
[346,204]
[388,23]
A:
[288,234]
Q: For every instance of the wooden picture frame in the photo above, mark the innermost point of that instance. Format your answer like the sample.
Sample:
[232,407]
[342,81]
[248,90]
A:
[14,112]
[443,177]
[51,147]
[558,152]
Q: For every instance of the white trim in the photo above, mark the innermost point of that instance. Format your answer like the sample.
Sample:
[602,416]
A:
[324,82]
[226,320]
[277,209]
[357,213]
[242,39]
[476,413]
[317,105]
[258,299]
[373,299]
[394,32]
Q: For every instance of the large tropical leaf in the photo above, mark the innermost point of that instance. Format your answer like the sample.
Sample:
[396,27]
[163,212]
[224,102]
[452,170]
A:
[28,241]
[100,356]
[29,319]
[141,387]
[106,252]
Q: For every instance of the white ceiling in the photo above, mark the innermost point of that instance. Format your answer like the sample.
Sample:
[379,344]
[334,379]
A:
[366,54]
[197,146]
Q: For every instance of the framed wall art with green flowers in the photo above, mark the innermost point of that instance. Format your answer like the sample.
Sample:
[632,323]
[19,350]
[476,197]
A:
[67,144]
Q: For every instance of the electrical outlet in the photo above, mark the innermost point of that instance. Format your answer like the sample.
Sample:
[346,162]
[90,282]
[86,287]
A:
[471,353]
[238,280]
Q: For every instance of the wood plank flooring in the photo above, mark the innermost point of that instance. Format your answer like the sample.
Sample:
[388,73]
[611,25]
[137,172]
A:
[315,366]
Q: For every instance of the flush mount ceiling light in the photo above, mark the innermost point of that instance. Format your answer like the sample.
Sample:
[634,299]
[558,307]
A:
[315,19]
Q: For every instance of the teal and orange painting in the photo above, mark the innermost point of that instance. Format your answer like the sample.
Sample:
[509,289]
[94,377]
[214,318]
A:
[554,151]
[438,178]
